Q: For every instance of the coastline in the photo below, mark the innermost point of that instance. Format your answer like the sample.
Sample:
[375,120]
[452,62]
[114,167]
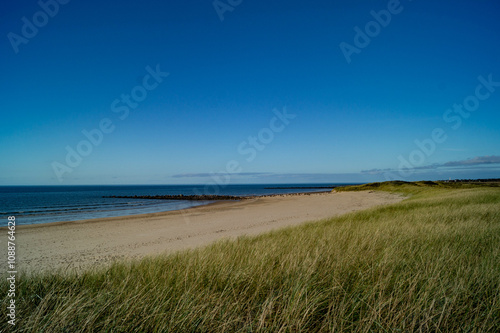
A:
[216,201]
[77,245]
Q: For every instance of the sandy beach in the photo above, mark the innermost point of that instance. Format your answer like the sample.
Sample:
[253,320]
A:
[87,243]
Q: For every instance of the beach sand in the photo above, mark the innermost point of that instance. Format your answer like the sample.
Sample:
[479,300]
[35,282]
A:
[84,244]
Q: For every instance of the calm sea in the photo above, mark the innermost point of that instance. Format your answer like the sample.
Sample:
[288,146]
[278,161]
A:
[44,204]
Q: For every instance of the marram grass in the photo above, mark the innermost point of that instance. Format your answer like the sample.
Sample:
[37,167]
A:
[428,264]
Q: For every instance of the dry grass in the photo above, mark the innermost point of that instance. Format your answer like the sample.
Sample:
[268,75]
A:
[427,264]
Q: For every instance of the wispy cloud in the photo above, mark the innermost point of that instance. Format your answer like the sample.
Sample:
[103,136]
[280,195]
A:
[477,165]
[275,178]
[476,162]
[260,175]
[215,174]
[376,171]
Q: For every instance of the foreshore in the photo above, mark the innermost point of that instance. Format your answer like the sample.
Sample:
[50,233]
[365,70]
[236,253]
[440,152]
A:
[89,243]
[209,197]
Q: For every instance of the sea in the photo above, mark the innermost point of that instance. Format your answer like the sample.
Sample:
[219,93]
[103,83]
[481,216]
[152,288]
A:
[46,204]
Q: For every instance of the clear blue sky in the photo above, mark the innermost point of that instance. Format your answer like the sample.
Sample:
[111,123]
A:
[355,121]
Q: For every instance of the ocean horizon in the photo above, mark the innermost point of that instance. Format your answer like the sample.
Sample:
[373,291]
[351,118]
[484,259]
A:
[57,203]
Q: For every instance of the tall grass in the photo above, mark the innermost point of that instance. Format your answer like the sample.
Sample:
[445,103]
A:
[428,264]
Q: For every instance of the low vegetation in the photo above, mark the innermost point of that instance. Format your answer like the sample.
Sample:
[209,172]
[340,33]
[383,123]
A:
[430,263]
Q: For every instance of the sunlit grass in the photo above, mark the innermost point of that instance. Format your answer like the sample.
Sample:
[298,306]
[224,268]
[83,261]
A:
[429,263]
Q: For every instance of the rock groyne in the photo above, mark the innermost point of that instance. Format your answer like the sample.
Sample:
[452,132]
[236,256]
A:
[206,197]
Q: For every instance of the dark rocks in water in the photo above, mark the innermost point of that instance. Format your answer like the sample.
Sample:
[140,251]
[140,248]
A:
[206,197]
[298,187]
[180,197]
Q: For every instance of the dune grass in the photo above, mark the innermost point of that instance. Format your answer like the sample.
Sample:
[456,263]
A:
[428,264]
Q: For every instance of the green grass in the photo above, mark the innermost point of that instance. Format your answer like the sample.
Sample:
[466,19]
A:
[398,186]
[430,263]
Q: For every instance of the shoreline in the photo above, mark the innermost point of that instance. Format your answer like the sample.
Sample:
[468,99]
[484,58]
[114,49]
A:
[146,215]
[208,197]
[217,199]
[79,245]
[113,218]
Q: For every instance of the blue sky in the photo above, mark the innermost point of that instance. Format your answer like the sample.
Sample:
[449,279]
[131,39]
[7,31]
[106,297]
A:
[267,94]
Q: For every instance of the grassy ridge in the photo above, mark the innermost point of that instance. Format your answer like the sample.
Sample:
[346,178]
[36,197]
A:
[398,186]
[429,263]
